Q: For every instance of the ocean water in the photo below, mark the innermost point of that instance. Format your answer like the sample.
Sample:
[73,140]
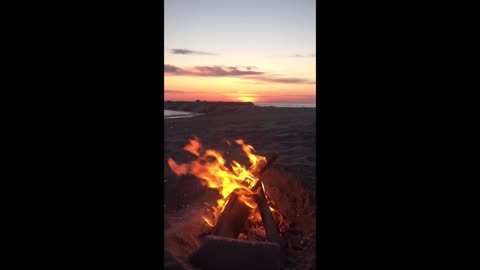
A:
[286,105]
[169,114]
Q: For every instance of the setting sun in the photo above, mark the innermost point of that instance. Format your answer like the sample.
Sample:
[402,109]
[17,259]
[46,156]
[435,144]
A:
[246,99]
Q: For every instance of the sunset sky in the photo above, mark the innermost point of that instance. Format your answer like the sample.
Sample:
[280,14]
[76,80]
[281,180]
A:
[240,50]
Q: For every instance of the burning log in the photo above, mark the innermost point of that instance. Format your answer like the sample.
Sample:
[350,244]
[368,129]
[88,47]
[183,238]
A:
[267,218]
[225,253]
[272,158]
[236,213]
[232,218]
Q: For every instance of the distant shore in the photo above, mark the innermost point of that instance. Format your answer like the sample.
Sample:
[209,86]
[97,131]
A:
[206,107]
[222,107]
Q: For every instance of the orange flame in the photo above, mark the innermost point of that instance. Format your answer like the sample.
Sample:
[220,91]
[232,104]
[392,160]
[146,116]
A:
[210,166]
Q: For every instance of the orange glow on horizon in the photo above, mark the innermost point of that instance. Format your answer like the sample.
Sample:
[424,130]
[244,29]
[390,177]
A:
[212,97]
[247,99]
[182,88]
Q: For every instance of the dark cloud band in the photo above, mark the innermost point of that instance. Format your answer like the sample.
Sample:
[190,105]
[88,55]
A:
[185,51]
[241,72]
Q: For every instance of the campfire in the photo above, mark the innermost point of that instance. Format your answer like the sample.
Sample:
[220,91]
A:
[246,229]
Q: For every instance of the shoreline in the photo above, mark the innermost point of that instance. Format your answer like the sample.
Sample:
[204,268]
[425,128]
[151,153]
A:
[170,114]
[224,107]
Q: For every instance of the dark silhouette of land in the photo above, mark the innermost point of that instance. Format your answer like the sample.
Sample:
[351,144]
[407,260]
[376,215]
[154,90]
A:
[205,106]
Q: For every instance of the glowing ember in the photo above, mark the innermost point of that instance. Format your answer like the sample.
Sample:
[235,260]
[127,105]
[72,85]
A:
[210,166]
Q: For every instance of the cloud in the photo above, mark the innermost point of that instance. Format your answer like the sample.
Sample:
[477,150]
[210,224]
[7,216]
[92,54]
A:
[211,71]
[219,71]
[248,67]
[173,91]
[237,72]
[181,91]
[284,80]
[171,69]
[303,55]
[185,51]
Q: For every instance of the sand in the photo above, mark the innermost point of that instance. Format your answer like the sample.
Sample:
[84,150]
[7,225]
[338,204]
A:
[290,182]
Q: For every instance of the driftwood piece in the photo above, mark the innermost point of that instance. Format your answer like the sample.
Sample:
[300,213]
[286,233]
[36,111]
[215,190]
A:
[267,218]
[225,253]
[236,213]
[232,218]
[270,161]
[263,169]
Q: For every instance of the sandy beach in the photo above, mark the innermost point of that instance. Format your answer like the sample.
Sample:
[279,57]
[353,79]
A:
[290,182]
[290,132]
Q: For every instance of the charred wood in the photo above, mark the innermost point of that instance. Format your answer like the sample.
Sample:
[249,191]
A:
[267,218]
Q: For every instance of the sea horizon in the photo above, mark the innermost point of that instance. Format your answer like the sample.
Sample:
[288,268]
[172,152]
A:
[285,105]
[264,104]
